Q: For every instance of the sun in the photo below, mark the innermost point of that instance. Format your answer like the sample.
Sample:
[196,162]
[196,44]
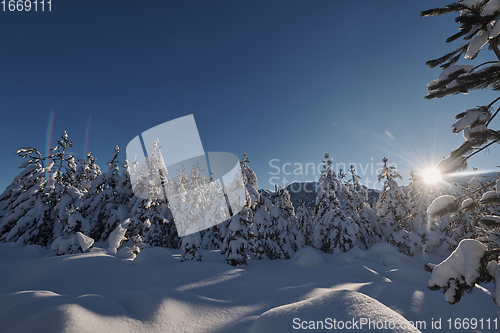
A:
[431,175]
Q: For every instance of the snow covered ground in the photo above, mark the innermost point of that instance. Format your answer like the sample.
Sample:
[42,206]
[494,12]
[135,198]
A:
[99,292]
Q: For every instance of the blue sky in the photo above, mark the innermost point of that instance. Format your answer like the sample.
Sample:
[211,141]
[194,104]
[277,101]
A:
[283,81]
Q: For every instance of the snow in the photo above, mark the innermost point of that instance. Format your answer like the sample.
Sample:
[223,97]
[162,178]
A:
[498,186]
[462,264]
[471,3]
[476,129]
[491,7]
[467,202]
[307,258]
[471,117]
[84,241]
[451,164]
[489,195]
[97,291]
[495,30]
[344,305]
[441,203]
[117,235]
[72,244]
[490,220]
[445,74]
[153,256]
[476,44]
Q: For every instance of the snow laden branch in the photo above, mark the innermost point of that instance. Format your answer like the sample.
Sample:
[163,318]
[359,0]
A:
[471,263]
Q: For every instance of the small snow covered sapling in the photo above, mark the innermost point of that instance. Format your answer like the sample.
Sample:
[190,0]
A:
[236,243]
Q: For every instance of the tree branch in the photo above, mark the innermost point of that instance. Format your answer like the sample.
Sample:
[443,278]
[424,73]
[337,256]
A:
[495,48]
[489,121]
[483,148]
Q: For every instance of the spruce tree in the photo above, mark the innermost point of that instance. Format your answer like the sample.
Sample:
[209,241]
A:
[334,228]
[102,199]
[25,217]
[236,244]
[86,171]
[304,222]
[478,25]
[393,208]
[250,180]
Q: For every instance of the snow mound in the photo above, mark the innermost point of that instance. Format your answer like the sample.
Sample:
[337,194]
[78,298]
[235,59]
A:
[389,259]
[344,258]
[126,253]
[307,258]
[358,253]
[151,310]
[72,244]
[346,307]
[153,255]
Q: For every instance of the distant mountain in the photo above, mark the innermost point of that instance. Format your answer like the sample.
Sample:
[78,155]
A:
[309,191]
[464,179]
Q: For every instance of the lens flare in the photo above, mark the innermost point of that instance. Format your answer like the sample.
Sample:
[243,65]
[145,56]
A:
[431,175]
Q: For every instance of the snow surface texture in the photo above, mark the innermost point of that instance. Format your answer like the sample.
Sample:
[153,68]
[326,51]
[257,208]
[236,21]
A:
[98,292]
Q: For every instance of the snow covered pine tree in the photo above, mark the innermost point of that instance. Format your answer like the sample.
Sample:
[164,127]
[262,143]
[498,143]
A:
[479,22]
[394,209]
[334,228]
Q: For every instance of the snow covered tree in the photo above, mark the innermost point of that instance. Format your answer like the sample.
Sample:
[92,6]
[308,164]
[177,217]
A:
[86,171]
[333,227]
[217,211]
[357,196]
[393,208]
[102,200]
[304,222]
[191,245]
[262,244]
[284,205]
[65,200]
[151,217]
[479,25]
[250,180]
[236,244]
[25,218]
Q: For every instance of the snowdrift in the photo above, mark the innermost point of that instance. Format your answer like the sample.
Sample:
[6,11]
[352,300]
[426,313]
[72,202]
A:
[350,309]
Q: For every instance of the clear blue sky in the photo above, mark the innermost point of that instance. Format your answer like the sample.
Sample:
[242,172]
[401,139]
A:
[279,80]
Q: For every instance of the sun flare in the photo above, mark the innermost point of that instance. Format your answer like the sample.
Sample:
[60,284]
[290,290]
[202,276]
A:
[431,175]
